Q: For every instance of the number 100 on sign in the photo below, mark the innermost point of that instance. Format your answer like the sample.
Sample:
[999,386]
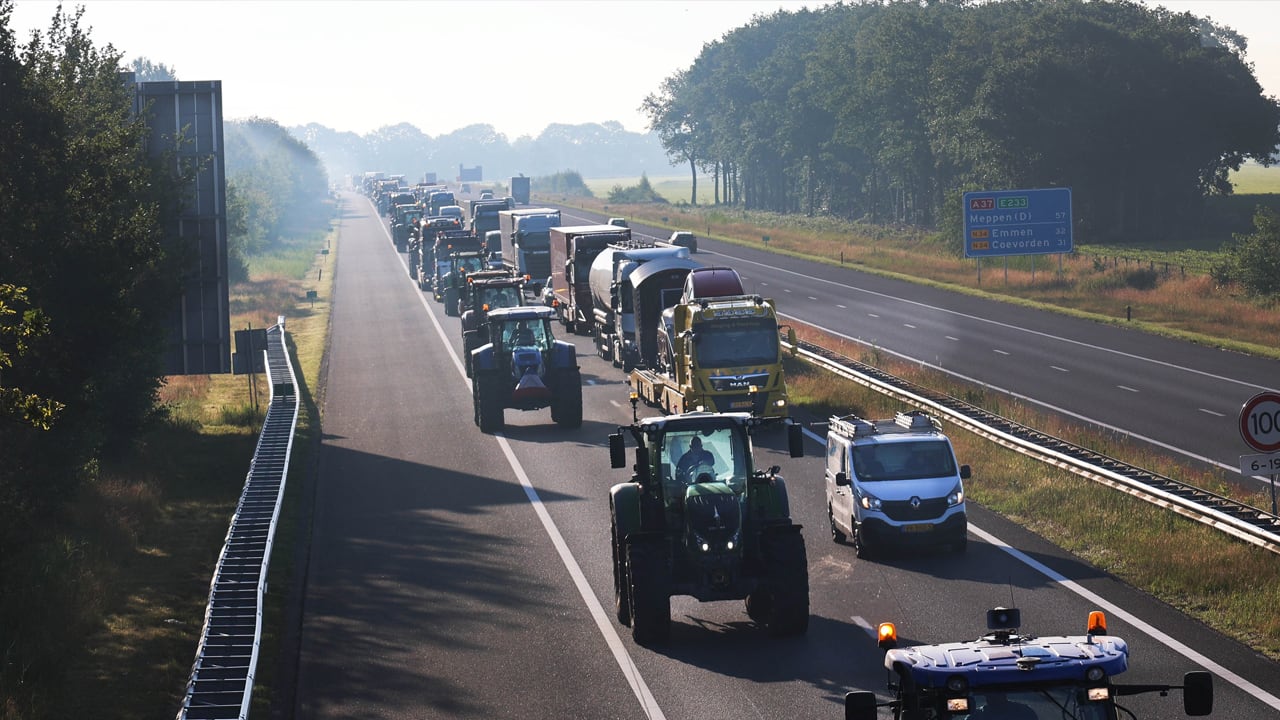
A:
[1260,422]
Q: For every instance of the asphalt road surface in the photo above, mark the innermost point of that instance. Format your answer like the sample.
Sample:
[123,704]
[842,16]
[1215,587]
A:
[455,574]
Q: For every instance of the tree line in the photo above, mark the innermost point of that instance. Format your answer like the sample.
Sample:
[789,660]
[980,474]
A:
[89,280]
[592,149]
[887,111]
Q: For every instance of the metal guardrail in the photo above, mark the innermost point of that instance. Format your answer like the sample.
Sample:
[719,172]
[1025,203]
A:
[1242,521]
[221,682]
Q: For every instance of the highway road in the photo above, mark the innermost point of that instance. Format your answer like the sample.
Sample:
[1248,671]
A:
[1179,396]
[455,574]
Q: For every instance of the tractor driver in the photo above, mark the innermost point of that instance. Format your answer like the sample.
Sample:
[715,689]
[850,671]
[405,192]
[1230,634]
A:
[695,456]
[523,336]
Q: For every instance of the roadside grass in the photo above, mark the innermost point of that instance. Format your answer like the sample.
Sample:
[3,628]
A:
[1229,585]
[1145,294]
[147,533]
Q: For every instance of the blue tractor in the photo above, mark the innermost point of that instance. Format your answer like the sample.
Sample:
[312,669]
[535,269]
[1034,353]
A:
[524,367]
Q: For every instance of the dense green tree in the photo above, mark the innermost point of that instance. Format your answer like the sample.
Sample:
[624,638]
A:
[880,110]
[145,70]
[1253,259]
[82,212]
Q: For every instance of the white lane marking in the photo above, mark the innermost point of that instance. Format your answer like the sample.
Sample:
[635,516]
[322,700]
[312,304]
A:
[866,626]
[952,338]
[1126,388]
[638,686]
[999,324]
[998,351]
[812,297]
[1059,369]
[1111,608]
[842,307]
[1020,396]
[1143,626]
[908,325]
[1211,412]
[872,315]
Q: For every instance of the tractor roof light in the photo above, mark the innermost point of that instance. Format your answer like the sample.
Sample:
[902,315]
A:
[1097,623]
[887,636]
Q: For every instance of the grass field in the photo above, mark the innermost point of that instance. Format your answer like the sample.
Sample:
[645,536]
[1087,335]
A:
[1250,179]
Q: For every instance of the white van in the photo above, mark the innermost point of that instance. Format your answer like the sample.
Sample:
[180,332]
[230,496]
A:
[894,482]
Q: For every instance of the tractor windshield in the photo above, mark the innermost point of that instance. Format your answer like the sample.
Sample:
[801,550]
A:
[501,297]
[529,332]
[702,456]
[470,263]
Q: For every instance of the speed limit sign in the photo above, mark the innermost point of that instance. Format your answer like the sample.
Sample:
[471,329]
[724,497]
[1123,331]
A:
[1260,422]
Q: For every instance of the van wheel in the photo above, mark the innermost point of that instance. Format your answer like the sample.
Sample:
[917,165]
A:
[836,535]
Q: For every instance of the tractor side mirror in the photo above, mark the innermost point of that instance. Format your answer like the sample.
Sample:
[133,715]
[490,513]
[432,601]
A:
[617,451]
[860,705]
[1197,693]
[795,440]
[842,479]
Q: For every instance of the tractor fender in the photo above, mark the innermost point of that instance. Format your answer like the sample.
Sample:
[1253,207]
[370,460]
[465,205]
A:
[769,499]
[624,499]
[482,358]
[563,355]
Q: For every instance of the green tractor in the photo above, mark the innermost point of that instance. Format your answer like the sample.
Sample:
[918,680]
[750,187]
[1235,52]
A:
[485,290]
[698,519]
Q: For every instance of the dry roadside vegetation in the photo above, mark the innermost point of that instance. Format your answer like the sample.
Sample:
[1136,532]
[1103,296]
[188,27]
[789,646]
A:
[163,519]
[149,532]
[1227,584]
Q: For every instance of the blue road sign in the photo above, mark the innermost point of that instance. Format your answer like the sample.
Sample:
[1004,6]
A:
[1017,222]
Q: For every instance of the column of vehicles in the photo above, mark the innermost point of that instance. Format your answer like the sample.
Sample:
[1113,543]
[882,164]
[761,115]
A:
[697,517]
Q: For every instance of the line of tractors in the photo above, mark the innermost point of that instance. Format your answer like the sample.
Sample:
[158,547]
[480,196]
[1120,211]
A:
[696,517]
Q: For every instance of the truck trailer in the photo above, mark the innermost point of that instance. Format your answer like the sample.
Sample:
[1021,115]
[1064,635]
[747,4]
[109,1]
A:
[520,189]
[526,242]
[619,291]
[573,249]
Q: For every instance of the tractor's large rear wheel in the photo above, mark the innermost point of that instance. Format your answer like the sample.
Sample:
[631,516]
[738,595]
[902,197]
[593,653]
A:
[781,603]
[566,404]
[650,596]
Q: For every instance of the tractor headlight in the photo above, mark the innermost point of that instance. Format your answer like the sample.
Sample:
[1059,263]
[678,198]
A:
[955,497]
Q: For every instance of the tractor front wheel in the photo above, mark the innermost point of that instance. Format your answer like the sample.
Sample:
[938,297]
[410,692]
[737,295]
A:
[566,404]
[621,594]
[489,402]
[650,598]
[781,604]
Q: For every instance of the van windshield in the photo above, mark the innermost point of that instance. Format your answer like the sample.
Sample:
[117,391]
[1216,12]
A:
[903,460]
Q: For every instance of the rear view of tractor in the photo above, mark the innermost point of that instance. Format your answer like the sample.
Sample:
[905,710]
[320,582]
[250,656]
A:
[524,367]
[698,519]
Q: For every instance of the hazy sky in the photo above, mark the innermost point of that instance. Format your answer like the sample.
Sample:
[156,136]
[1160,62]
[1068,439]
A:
[445,64]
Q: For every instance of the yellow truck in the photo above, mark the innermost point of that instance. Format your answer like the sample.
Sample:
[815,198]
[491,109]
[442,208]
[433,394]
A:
[717,354]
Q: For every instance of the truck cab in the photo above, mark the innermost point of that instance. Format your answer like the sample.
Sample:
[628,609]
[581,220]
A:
[894,482]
